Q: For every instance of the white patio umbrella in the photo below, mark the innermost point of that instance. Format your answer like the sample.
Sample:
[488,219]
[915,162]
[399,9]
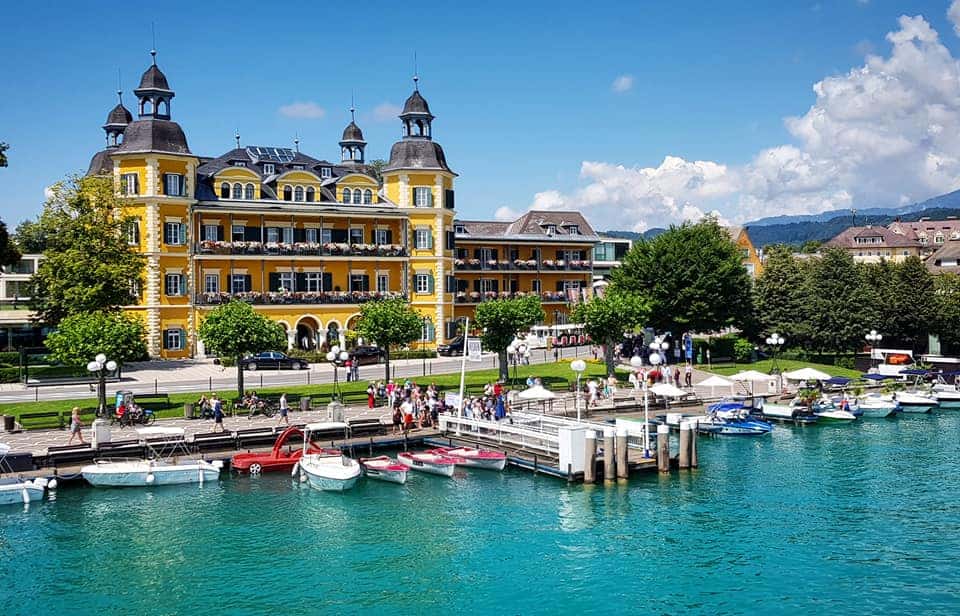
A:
[715,381]
[751,376]
[667,390]
[806,374]
[537,392]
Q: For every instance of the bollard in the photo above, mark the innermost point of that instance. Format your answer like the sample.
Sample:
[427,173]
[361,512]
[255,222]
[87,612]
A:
[684,444]
[663,448]
[623,468]
[609,462]
[693,443]
[589,457]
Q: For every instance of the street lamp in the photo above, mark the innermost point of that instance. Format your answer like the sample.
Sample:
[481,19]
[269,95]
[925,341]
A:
[578,366]
[874,339]
[658,351]
[337,358]
[516,350]
[775,341]
[423,342]
[101,366]
[637,362]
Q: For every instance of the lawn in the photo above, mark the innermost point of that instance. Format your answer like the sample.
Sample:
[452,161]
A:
[557,376]
[785,365]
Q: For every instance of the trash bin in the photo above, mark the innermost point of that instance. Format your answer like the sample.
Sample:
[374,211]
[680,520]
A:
[8,423]
[334,411]
[101,432]
[305,404]
[188,410]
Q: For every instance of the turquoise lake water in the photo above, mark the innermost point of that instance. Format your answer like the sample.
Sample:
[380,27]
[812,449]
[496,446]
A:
[849,518]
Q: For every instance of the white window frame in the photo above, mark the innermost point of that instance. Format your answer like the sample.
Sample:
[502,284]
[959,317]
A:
[421,239]
[239,163]
[572,284]
[298,167]
[273,235]
[380,237]
[422,196]
[173,231]
[314,282]
[238,278]
[249,191]
[269,169]
[288,281]
[128,184]
[210,232]
[173,290]
[326,235]
[299,194]
[367,197]
[236,192]
[383,283]
[133,232]
[421,283]
[347,195]
[535,285]
[233,232]
[211,283]
[287,234]
[172,335]
[310,235]
[325,172]
[175,181]
[352,231]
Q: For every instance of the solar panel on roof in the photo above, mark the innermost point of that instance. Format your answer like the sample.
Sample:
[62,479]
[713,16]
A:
[266,153]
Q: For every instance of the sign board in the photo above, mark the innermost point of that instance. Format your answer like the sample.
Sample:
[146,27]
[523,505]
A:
[473,350]
[452,400]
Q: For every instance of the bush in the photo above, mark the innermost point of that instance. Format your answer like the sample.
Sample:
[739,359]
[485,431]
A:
[844,362]
[720,346]
[9,375]
[312,357]
[418,354]
[742,351]
[10,358]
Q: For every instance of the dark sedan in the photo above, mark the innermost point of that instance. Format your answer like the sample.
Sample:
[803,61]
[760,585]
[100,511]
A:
[367,355]
[451,349]
[272,360]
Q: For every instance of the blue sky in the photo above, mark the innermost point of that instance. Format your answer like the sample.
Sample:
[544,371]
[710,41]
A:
[524,93]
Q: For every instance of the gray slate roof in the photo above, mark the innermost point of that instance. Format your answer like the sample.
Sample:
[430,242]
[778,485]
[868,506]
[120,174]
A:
[532,226]
[101,164]
[416,104]
[119,115]
[352,132]
[417,153]
[889,239]
[154,135]
[153,79]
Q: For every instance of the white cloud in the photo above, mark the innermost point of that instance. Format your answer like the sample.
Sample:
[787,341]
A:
[506,213]
[953,13]
[303,111]
[882,133]
[621,84]
[385,112]
[48,193]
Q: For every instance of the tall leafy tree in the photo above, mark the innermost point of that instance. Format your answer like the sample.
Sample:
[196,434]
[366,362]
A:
[781,297]
[389,322]
[236,330]
[502,319]
[948,310]
[3,154]
[840,305]
[606,318]
[30,236]
[88,264]
[80,337]
[911,312]
[691,275]
[8,249]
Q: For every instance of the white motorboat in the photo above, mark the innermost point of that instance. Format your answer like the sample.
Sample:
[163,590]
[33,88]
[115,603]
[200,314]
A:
[385,468]
[796,412]
[876,405]
[435,464]
[947,395]
[327,471]
[163,466]
[15,490]
[474,458]
[914,401]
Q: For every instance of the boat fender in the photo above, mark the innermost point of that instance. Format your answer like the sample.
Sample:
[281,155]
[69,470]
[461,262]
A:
[217,464]
[52,484]
[296,469]
[25,496]
[40,481]
[150,478]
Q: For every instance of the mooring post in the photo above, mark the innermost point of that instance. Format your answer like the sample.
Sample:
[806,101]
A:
[371,446]
[623,468]
[609,461]
[590,457]
[693,443]
[663,448]
[684,444]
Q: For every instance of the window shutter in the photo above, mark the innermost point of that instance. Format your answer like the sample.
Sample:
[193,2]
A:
[476,253]
[274,281]
[494,254]
[300,282]
[299,235]
[166,185]
[495,286]
[430,198]
[413,197]
[247,283]
[166,234]
[430,286]
[451,284]
[559,255]
[251,234]
[327,281]
[559,286]
[389,236]
[448,199]
[429,240]
[365,285]
[166,341]
[183,234]
[220,233]
[476,285]
[183,284]
[136,184]
[166,287]
[373,236]
[183,338]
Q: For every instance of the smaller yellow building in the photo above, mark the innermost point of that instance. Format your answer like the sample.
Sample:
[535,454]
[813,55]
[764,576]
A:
[752,257]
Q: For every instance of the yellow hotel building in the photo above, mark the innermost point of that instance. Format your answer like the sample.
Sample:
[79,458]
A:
[307,241]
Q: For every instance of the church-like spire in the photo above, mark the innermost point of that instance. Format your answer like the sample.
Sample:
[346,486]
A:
[154,92]
[117,121]
[352,145]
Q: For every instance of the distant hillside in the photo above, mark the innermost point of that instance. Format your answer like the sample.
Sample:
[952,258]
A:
[950,201]
[633,235]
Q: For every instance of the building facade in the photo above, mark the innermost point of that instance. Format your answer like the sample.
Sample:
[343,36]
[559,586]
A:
[872,244]
[18,328]
[307,241]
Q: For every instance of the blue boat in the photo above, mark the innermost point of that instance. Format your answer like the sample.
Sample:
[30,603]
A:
[734,417]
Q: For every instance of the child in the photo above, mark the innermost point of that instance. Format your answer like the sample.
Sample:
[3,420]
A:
[75,425]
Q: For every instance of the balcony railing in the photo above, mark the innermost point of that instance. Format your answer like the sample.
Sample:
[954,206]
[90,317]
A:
[210,247]
[326,297]
[475,297]
[479,265]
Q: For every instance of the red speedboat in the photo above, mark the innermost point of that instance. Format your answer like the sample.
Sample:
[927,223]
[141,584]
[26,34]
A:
[385,469]
[279,458]
[475,458]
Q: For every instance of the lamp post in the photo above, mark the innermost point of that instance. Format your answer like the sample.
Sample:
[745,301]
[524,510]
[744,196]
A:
[423,342]
[578,366]
[658,350]
[337,358]
[516,350]
[775,341]
[101,366]
[637,362]
[874,339]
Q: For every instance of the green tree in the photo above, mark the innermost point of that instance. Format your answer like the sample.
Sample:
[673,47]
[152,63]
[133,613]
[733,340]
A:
[30,237]
[948,310]
[810,247]
[841,307]
[691,275]
[389,322]
[80,337]
[236,330]
[9,254]
[911,305]
[89,265]
[376,165]
[3,154]
[781,297]
[502,319]
[606,318]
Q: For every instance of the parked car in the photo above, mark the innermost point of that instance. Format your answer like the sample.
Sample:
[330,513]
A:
[367,355]
[453,348]
[273,360]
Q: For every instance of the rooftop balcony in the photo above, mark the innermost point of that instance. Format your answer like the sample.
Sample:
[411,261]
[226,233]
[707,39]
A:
[527,265]
[280,299]
[475,297]
[211,247]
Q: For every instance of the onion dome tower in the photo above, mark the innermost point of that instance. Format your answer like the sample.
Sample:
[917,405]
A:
[352,145]
[153,131]
[417,150]
[117,121]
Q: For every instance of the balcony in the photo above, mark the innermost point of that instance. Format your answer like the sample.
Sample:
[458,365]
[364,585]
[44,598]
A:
[521,265]
[475,297]
[300,249]
[293,299]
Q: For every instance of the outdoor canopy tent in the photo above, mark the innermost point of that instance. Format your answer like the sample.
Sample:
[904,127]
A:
[668,391]
[537,392]
[713,382]
[751,376]
[806,374]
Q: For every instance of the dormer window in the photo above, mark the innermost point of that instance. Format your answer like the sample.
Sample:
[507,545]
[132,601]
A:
[268,169]
[298,167]
[459,229]
[573,229]
[551,229]
[326,172]
[239,163]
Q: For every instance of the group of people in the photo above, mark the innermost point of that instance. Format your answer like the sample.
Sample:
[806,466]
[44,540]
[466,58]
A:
[663,374]
[212,408]
[410,404]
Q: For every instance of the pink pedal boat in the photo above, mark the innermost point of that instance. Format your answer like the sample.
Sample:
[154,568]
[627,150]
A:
[427,462]
[474,458]
[384,469]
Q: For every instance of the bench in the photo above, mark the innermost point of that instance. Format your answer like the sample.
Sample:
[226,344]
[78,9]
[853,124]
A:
[209,441]
[67,454]
[147,400]
[131,448]
[255,436]
[365,427]
[24,417]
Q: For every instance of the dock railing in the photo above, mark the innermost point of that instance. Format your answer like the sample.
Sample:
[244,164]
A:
[528,438]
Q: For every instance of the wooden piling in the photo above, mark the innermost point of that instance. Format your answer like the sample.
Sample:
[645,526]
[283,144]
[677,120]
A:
[623,469]
[684,445]
[693,443]
[663,448]
[590,457]
[609,461]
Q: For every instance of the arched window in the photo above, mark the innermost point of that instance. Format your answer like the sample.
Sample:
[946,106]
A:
[287,193]
[248,191]
[163,107]
[346,195]
[406,129]
[418,128]
[357,196]
[298,193]
[356,154]
[343,154]
[238,191]
[224,191]
[311,194]
[333,334]
[368,196]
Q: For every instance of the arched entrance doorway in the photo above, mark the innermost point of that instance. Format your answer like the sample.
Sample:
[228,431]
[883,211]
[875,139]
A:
[307,328]
[333,334]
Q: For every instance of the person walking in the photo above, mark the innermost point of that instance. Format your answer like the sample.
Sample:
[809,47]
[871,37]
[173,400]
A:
[75,426]
[284,410]
[371,395]
[217,414]
[688,375]
[349,366]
